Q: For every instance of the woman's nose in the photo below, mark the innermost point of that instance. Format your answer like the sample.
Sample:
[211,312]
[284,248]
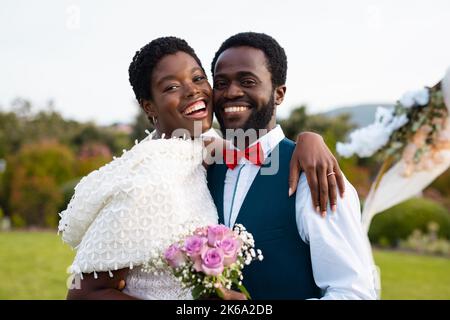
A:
[192,90]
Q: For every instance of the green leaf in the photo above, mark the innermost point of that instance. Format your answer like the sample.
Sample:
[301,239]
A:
[197,292]
[244,291]
[416,126]
[242,288]
[219,294]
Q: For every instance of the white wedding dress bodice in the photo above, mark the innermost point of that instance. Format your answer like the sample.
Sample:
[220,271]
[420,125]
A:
[130,210]
[147,286]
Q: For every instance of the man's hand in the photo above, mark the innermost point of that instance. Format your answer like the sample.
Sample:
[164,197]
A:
[321,168]
[231,294]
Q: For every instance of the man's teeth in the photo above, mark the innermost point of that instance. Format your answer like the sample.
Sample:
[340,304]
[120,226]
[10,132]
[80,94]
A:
[235,109]
[195,107]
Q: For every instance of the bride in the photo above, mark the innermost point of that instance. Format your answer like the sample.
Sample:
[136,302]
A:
[124,214]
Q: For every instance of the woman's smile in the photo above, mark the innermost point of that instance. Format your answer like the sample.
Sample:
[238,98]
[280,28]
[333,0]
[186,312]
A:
[196,110]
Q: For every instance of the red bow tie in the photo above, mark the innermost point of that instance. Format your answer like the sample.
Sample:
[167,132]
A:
[254,154]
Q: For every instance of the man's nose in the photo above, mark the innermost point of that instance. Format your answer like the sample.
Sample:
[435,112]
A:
[233,91]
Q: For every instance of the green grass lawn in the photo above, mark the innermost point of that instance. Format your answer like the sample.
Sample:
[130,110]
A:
[411,276]
[33,266]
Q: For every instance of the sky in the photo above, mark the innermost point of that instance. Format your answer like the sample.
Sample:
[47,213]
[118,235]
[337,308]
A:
[340,53]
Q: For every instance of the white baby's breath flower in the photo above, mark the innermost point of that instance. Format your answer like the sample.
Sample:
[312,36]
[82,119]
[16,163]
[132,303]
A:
[415,98]
[445,85]
[366,141]
[407,99]
[422,97]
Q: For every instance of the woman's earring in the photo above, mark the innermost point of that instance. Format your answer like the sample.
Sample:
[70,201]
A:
[154,120]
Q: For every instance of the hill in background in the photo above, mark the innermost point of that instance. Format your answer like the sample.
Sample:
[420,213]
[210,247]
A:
[361,115]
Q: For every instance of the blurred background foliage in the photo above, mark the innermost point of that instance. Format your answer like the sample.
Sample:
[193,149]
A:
[46,155]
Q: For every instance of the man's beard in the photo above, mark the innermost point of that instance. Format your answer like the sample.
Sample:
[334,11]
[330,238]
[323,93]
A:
[258,119]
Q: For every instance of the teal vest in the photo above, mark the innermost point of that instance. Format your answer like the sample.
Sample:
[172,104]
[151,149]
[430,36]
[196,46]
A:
[269,214]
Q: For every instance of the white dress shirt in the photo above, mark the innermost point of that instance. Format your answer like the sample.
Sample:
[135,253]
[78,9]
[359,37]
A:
[341,256]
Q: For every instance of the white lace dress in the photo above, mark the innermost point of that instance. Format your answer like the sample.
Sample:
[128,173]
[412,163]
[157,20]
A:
[128,211]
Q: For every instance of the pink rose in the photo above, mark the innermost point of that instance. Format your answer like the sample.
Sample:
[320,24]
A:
[203,231]
[212,261]
[193,245]
[230,247]
[174,256]
[198,264]
[217,233]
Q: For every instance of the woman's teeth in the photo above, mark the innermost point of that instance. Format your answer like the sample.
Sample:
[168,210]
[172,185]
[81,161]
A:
[195,107]
[235,109]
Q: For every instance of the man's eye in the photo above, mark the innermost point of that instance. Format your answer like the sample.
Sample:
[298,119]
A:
[248,82]
[219,84]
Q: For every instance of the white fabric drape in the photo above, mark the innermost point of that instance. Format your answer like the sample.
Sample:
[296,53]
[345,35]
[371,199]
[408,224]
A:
[394,188]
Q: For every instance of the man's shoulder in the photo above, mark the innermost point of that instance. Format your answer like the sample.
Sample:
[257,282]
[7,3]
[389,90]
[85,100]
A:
[288,143]
[286,146]
[304,199]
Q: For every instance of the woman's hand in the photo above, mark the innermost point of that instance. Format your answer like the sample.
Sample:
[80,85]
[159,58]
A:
[214,147]
[312,156]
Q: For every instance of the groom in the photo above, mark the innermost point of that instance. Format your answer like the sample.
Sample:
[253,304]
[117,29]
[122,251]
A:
[305,255]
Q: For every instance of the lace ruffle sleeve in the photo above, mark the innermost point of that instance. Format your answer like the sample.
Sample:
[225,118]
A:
[124,213]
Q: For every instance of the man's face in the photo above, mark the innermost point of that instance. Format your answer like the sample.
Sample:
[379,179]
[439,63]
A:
[244,96]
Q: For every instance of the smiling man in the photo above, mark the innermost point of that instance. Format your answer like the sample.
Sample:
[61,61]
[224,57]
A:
[305,256]
[243,90]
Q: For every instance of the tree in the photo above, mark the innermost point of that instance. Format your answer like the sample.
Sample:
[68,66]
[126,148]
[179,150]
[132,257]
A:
[331,129]
[35,200]
[11,133]
[33,179]
[141,123]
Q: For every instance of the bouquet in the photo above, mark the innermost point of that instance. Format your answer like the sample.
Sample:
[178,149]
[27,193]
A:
[209,259]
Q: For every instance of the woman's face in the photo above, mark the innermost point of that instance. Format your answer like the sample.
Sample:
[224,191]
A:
[181,95]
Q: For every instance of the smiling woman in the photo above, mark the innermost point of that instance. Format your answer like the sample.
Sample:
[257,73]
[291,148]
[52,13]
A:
[177,92]
[180,94]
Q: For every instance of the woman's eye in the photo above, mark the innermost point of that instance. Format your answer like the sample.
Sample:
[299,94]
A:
[170,88]
[199,78]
